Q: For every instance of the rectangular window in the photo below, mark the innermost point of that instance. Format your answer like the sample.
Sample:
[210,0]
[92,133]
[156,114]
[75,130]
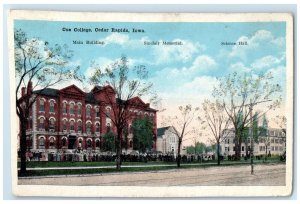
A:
[243,149]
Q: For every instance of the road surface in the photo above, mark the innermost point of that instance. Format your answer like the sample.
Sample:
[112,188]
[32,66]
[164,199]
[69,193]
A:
[264,175]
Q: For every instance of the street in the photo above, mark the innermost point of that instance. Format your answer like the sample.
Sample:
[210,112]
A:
[264,175]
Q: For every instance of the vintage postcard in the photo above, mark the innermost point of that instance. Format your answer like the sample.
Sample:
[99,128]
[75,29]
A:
[151,104]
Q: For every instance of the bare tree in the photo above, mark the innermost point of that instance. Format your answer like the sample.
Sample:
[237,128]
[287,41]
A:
[181,124]
[240,93]
[122,84]
[37,66]
[217,120]
[281,122]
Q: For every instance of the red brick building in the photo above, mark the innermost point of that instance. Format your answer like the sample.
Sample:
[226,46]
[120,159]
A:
[70,119]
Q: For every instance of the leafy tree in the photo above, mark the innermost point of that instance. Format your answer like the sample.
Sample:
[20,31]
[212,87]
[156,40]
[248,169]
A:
[109,142]
[197,148]
[240,93]
[266,137]
[142,134]
[125,83]
[37,66]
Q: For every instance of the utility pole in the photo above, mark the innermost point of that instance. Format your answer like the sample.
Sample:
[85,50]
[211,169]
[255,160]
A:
[252,143]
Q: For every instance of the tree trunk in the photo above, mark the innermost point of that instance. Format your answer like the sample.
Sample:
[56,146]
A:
[118,152]
[266,153]
[23,146]
[178,159]
[218,151]
[237,149]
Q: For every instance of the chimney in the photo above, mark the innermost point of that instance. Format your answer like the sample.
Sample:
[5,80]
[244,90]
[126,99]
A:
[23,91]
[29,88]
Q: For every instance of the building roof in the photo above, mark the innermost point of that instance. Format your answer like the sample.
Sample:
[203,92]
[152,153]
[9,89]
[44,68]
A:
[161,131]
[89,97]
[47,92]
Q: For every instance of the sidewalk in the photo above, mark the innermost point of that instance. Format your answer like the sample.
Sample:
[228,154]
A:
[113,166]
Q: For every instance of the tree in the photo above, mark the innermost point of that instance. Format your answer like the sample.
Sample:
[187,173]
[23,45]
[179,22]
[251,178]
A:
[264,133]
[37,66]
[181,124]
[142,134]
[281,122]
[240,93]
[216,119]
[109,142]
[125,83]
[198,148]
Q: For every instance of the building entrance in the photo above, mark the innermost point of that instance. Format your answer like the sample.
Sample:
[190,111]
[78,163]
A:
[72,142]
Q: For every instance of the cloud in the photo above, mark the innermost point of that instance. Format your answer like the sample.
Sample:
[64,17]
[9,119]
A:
[239,67]
[261,38]
[191,92]
[266,62]
[115,38]
[202,64]
[175,53]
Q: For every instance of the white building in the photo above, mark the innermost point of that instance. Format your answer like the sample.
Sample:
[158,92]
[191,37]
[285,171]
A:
[167,140]
[273,143]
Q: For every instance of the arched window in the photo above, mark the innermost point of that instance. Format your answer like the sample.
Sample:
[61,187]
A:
[42,123]
[89,143]
[65,108]
[64,125]
[97,127]
[42,105]
[97,112]
[51,107]
[89,127]
[88,111]
[72,125]
[51,124]
[130,144]
[80,143]
[98,144]
[79,126]
[108,128]
[51,142]
[79,109]
[107,112]
[42,142]
[72,108]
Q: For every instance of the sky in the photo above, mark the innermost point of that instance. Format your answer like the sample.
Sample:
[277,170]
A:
[181,74]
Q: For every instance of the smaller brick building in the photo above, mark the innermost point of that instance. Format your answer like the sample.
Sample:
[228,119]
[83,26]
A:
[69,120]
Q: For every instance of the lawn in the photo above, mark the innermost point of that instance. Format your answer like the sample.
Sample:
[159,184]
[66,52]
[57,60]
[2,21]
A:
[142,166]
